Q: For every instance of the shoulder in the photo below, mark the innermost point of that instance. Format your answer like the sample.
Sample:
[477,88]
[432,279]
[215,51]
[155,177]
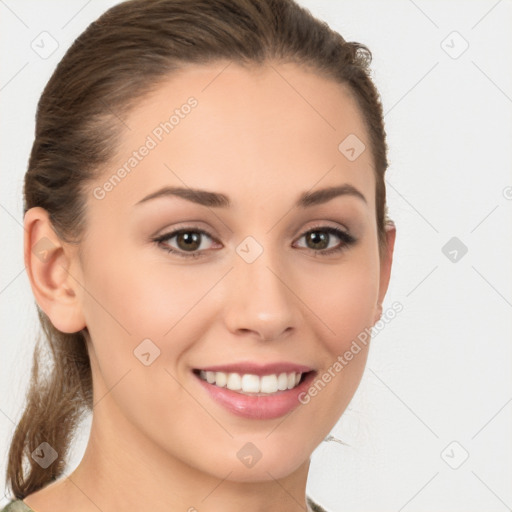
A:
[16,506]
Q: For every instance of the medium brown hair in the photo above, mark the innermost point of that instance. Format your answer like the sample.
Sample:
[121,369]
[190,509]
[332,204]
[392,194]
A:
[117,60]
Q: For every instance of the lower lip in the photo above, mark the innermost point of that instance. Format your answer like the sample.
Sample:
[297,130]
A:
[258,407]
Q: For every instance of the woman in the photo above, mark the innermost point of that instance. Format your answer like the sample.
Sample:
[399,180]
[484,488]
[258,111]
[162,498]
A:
[206,237]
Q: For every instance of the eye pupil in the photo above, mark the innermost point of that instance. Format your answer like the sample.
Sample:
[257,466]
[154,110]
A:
[319,239]
[191,240]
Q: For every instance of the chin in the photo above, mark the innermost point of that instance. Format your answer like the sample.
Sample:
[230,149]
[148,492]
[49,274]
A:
[272,464]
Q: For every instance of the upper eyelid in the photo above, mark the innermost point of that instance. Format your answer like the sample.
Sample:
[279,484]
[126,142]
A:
[175,231]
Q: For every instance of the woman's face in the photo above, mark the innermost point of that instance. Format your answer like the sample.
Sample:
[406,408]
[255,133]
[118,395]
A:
[267,277]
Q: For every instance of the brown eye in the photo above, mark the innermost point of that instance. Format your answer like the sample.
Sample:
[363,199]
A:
[327,240]
[186,242]
[317,239]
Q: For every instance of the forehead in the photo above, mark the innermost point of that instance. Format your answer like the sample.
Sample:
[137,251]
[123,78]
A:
[226,126]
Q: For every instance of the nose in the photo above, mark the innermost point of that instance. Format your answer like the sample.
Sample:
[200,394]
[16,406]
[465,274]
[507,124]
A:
[261,303]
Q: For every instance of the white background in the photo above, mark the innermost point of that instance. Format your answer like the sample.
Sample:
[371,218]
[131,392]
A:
[440,372]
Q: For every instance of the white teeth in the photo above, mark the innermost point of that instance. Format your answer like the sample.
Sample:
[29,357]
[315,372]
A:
[249,383]
[269,383]
[221,379]
[282,382]
[234,382]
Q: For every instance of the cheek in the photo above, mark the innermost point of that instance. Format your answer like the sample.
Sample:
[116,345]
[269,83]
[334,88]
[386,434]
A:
[344,299]
[143,298]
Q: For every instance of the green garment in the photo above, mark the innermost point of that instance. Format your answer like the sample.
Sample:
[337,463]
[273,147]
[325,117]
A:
[19,506]
[16,506]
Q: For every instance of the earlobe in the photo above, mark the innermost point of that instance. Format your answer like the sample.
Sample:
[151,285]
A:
[48,261]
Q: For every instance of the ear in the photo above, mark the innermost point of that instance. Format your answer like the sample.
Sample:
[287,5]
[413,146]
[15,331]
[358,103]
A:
[385,267]
[53,270]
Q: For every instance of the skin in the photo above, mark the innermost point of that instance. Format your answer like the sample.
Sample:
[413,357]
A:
[157,440]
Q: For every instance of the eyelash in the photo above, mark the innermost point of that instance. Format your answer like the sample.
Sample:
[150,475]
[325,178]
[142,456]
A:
[346,239]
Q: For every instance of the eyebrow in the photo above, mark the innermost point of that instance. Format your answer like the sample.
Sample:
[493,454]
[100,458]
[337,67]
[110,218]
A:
[218,200]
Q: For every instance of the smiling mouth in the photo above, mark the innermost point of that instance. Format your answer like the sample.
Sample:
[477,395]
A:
[253,385]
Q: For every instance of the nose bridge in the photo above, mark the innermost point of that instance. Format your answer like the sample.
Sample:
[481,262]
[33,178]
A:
[260,300]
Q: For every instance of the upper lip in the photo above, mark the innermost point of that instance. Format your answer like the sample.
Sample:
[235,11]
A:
[258,369]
